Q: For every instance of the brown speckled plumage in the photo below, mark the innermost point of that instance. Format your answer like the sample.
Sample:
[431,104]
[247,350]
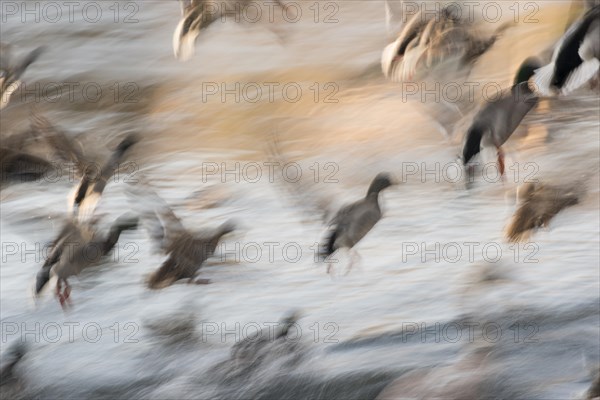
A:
[187,253]
[538,204]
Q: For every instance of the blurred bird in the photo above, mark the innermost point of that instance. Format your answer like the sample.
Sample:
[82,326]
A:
[431,39]
[186,256]
[538,204]
[18,163]
[576,58]
[304,193]
[198,15]
[496,121]
[250,348]
[350,223]
[11,73]
[66,149]
[77,247]
[17,166]
[13,382]
[274,347]
[465,378]
[186,251]
[593,392]
[354,221]
[14,354]
[86,195]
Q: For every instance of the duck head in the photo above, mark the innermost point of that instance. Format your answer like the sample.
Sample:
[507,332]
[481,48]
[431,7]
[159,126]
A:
[382,181]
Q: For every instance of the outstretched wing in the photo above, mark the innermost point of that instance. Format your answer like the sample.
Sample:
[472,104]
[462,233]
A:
[522,223]
[92,185]
[66,148]
[127,221]
[161,222]
[302,193]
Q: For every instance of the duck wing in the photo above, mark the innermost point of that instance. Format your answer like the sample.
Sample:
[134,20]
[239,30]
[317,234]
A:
[66,148]
[302,193]
[163,225]
[92,185]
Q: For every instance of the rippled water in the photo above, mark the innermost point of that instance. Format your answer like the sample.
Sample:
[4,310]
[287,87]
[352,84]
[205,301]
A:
[372,329]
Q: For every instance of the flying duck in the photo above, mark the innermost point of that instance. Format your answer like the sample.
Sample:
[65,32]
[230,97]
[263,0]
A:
[303,193]
[88,192]
[350,223]
[186,251]
[10,74]
[496,121]
[538,204]
[576,58]
[354,221]
[197,15]
[429,39]
[77,247]
[93,180]
[18,164]
[67,149]
[186,255]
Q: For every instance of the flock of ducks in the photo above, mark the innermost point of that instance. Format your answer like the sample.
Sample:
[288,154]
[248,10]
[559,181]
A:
[425,42]
[80,244]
